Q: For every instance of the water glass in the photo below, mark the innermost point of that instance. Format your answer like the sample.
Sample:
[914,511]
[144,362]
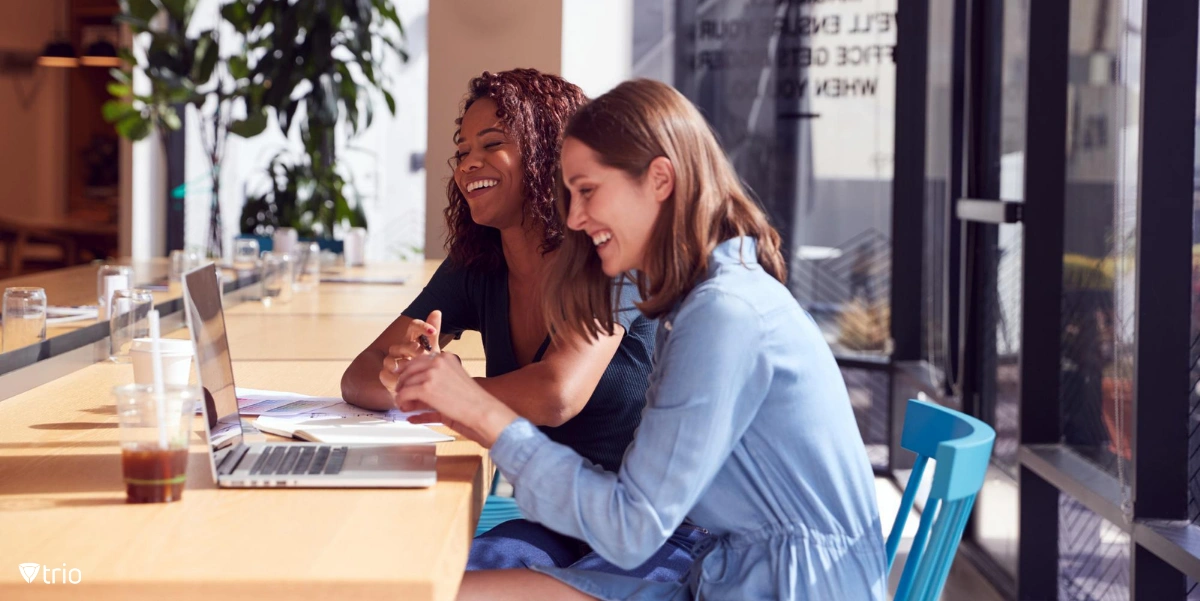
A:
[274,276]
[178,265]
[245,254]
[109,279]
[24,315]
[308,266]
[129,320]
[183,261]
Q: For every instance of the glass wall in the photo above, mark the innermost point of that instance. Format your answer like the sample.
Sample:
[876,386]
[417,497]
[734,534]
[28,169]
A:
[1093,555]
[1098,244]
[802,96]
[939,197]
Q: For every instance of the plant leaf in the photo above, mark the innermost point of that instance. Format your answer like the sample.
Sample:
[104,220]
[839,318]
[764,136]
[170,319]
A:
[251,126]
[178,9]
[205,59]
[238,67]
[121,76]
[116,110]
[391,102]
[119,90]
[133,127]
[171,119]
[237,15]
[143,10]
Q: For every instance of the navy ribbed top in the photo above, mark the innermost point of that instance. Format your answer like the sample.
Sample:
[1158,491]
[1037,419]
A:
[477,299]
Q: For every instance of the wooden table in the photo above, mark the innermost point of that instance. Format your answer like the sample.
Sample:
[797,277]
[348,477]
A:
[360,311]
[62,500]
[75,286]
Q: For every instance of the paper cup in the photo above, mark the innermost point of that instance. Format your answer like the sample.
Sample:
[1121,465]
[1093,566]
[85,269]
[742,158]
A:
[176,361]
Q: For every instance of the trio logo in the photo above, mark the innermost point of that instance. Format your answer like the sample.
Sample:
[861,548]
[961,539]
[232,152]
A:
[29,571]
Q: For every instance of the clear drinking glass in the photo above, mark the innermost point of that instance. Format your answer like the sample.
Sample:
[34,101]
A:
[179,265]
[245,254]
[24,315]
[274,276]
[109,279]
[308,266]
[129,320]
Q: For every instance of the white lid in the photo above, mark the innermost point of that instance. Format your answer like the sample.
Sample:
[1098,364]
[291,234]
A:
[169,346]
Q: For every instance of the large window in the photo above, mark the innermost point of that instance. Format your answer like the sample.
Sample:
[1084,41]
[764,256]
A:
[1101,217]
[802,96]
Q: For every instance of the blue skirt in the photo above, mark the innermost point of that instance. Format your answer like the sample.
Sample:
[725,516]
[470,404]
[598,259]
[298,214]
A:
[526,544]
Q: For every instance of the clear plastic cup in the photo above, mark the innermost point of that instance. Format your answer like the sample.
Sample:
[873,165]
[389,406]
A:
[154,440]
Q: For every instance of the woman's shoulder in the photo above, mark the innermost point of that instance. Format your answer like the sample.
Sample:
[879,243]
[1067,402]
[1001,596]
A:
[734,292]
[472,277]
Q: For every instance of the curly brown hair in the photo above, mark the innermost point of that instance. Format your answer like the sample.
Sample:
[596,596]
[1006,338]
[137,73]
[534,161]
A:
[534,108]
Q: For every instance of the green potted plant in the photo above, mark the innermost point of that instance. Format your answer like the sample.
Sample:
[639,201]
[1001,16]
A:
[183,69]
[325,56]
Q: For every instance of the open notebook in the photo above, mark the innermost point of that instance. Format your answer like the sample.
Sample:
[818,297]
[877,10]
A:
[343,423]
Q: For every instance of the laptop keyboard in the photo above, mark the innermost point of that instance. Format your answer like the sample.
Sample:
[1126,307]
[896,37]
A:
[296,459]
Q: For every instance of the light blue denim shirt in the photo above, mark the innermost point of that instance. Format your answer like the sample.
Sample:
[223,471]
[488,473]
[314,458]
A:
[748,432]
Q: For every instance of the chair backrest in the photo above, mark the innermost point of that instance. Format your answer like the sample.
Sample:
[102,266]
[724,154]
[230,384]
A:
[962,446]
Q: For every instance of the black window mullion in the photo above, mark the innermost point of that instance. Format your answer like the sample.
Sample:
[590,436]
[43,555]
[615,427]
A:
[1041,314]
[1161,375]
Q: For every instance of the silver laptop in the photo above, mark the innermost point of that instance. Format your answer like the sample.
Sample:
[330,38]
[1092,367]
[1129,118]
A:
[236,463]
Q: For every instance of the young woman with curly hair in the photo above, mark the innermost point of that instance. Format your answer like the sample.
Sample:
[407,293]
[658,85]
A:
[504,232]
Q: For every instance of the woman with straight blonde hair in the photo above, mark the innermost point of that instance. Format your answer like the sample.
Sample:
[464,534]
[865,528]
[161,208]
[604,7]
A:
[747,431]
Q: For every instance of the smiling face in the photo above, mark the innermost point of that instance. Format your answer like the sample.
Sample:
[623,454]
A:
[489,171]
[616,210]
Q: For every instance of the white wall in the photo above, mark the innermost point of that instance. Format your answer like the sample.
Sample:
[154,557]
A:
[378,160]
[597,44]
[465,39]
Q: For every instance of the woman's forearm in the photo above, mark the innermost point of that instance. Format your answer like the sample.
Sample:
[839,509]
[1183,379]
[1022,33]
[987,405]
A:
[536,394]
[360,382]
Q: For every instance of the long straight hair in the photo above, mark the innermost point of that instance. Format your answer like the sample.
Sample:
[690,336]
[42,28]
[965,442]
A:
[630,126]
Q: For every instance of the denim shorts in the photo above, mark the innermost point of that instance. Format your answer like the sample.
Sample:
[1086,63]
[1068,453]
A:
[525,544]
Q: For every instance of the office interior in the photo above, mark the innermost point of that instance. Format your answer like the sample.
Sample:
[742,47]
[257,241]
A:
[988,204]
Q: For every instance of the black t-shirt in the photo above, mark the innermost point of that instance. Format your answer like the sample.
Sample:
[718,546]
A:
[477,299]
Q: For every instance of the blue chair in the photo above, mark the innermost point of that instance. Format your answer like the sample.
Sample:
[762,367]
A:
[496,509]
[962,446]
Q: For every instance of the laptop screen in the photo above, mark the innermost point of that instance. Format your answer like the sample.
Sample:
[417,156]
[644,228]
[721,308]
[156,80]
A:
[206,320]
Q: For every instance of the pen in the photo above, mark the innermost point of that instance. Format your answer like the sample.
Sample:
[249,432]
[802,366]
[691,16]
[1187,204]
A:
[425,343]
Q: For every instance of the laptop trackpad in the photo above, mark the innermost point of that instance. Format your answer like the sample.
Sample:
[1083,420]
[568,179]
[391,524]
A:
[384,458]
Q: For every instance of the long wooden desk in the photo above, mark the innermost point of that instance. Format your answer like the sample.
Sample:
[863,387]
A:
[75,286]
[62,499]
